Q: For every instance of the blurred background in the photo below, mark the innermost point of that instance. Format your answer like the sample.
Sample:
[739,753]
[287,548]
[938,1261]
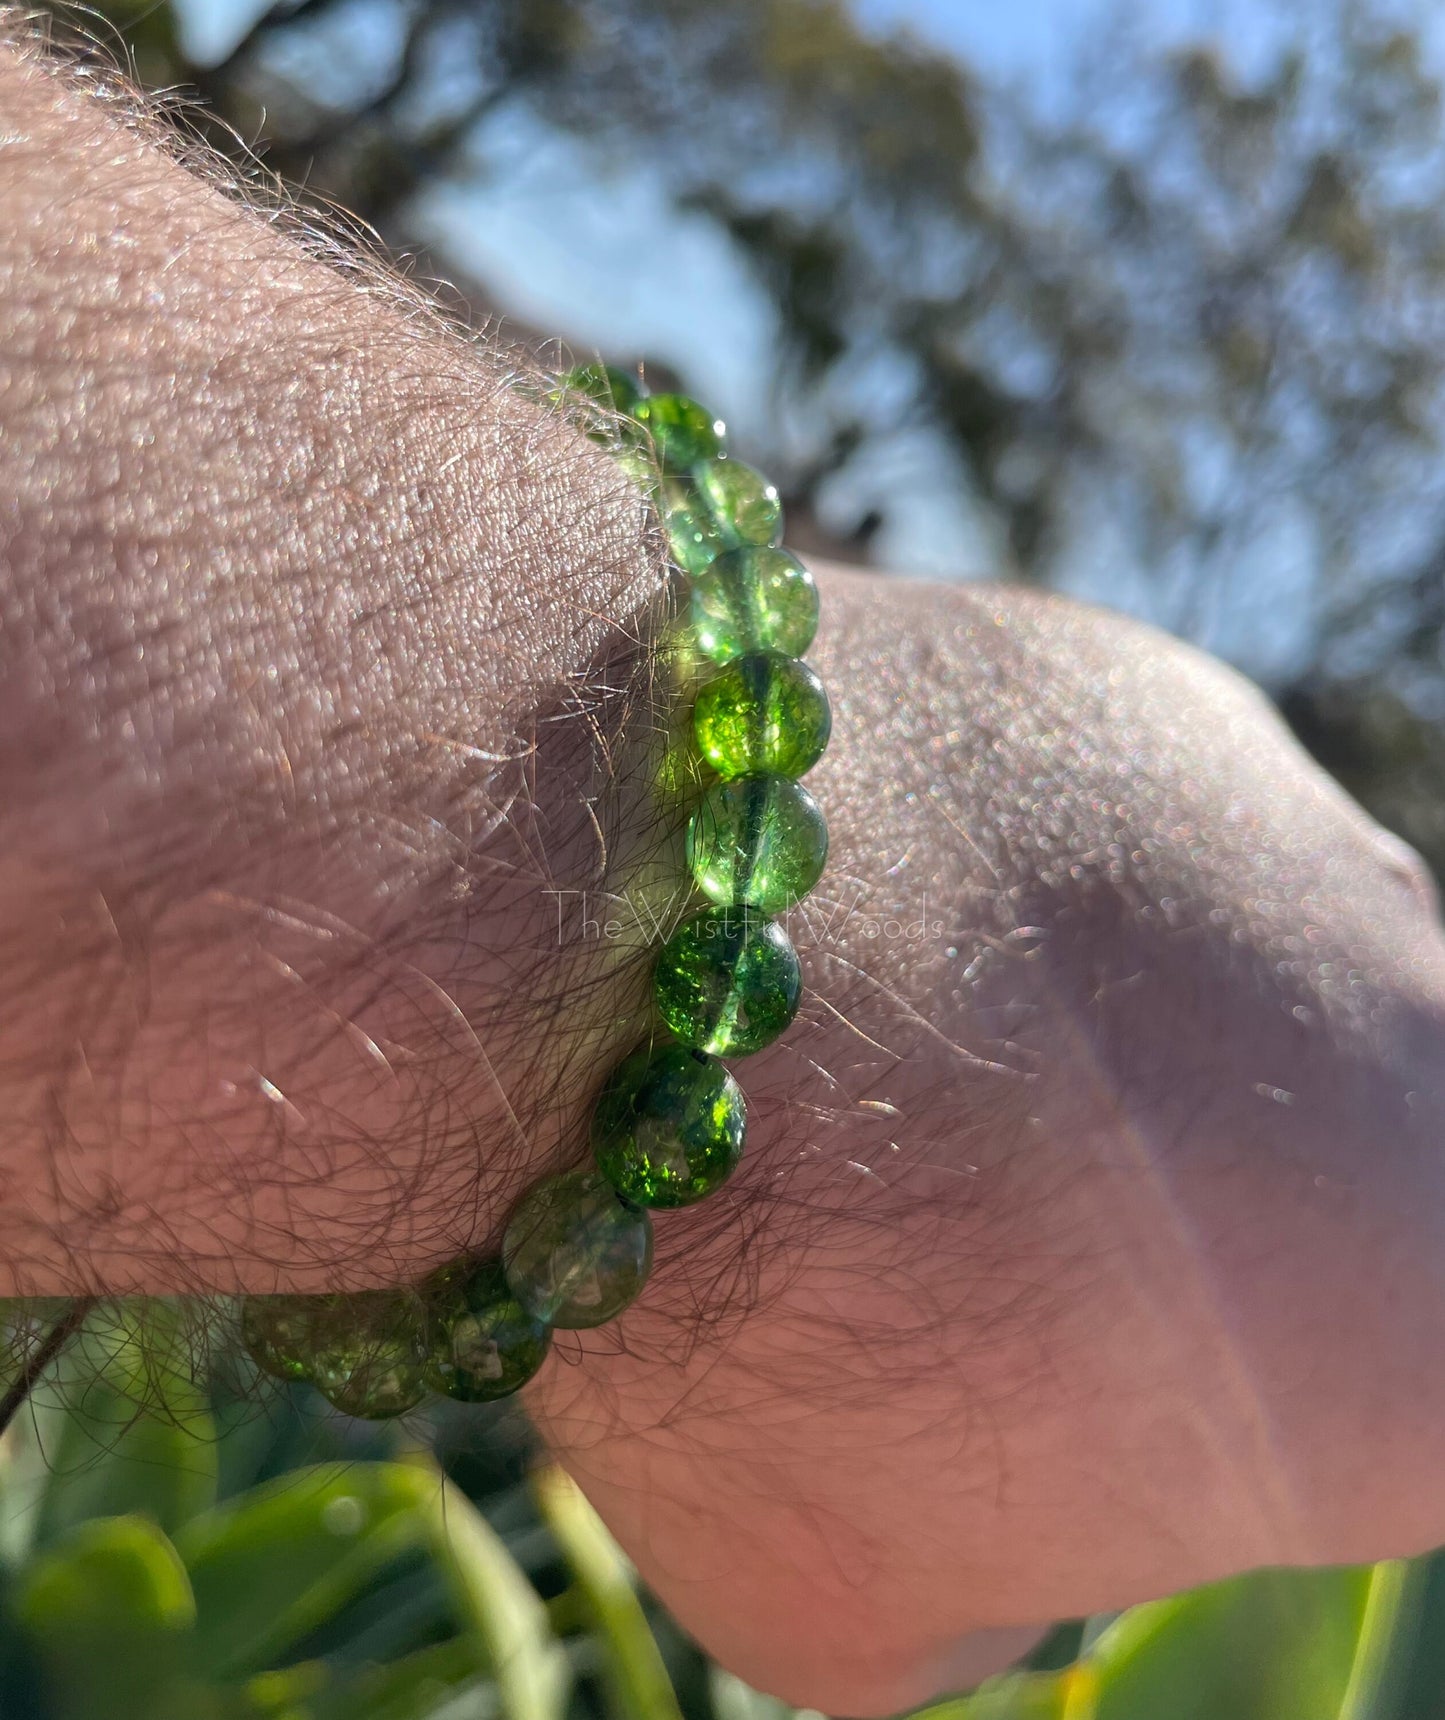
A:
[1143,300]
[1140,300]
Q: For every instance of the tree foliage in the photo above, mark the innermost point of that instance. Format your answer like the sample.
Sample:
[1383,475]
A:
[1183,334]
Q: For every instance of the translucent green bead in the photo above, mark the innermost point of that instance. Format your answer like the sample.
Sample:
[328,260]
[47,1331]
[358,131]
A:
[483,1342]
[693,537]
[668,1127]
[277,1332]
[759,841]
[727,981]
[372,1383]
[575,1253]
[364,1353]
[742,502]
[682,431]
[764,713]
[611,388]
[755,598]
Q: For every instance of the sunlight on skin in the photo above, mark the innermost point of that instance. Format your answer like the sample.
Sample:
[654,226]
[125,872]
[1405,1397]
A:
[1079,1338]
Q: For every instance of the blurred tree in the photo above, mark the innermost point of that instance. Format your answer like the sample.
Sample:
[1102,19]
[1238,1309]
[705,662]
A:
[1185,336]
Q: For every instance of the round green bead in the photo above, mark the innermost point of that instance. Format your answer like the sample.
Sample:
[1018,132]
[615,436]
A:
[370,1382]
[364,1353]
[369,1361]
[742,502]
[755,598]
[668,1126]
[693,537]
[764,713]
[759,841]
[728,981]
[483,1342]
[575,1253]
[682,431]
[277,1332]
[611,388]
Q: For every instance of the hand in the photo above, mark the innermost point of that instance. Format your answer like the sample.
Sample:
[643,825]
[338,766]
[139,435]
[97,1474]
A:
[1089,1240]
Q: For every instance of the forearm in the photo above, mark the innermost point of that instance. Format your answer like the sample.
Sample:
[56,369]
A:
[296,588]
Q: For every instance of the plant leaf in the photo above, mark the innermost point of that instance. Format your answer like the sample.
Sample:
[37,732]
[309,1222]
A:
[274,1563]
[1021,1696]
[411,1688]
[494,1600]
[108,1610]
[122,1427]
[1273,1645]
[637,1680]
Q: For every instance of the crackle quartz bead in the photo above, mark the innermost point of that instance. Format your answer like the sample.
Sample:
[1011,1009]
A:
[763,713]
[668,1126]
[483,1344]
[364,1353]
[720,505]
[683,433]
[277,1333]
[742,502]
[759,841]
[756,598]
[693,538]
[727,981]
[373,1381]
[576,1254]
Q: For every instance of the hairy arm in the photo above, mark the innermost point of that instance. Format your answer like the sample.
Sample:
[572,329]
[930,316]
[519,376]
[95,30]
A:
[1088,1242]
[301,602]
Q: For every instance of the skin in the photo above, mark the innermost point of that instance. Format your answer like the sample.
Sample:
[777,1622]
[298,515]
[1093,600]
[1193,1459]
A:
[1088,1242]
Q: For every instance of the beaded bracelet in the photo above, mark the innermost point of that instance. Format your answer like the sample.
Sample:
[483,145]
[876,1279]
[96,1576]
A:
[668,1126]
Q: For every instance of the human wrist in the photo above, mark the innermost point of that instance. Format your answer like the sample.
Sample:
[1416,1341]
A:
[321,644]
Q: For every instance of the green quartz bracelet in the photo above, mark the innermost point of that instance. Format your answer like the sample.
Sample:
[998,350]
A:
[669,1123]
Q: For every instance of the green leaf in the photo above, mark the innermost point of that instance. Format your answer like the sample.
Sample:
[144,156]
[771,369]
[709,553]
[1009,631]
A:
[1014,1696]
[107,1611]
[412,1688]
[1387,1629]
[1274,1645]
[287,1694]
[1418,1661]
[275,1563]
[123,1427]
[1017,1696]
[637,1680]
[497,1605]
